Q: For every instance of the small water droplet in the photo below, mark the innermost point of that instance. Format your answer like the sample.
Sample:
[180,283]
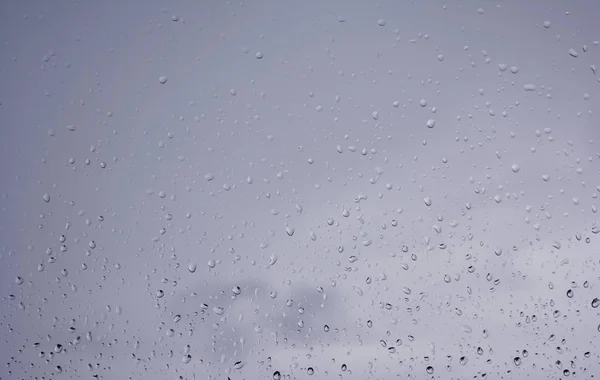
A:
[517,361]
[163,79]
[573,53]
[238,364]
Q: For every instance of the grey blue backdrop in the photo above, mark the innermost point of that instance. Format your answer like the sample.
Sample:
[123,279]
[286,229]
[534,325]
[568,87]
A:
[299,189]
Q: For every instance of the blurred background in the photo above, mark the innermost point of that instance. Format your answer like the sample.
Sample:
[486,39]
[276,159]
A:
[293,190]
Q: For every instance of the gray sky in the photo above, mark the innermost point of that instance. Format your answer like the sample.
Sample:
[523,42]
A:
[225,179]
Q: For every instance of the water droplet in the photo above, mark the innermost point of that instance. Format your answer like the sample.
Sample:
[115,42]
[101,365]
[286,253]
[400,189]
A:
[71,128]
[423,103]
[517,361]
[515,168]
[19,280]
[431,123]
[163,79]
[429,370]
[310,371]
[276,375]
[570,293]
[381,22]
[259,55]
[595,302]
[427,201]
[238,364]
[573,53]
[186,358]
[192,267]
[547,24]
[212,263]
[46,198]
[160,293]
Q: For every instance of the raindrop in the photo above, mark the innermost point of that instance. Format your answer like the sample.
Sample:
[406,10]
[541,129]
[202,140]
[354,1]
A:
[427,201]
[517,361]
[238,364]
[310,371]
[46,198]
[429,370]
[276,375]
[163,79]
[431,123]
[595,303]
[573,53]
[192,267]
[515,168]
[381,22]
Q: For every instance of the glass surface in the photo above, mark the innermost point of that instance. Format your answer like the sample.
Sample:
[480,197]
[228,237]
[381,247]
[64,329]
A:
[299,189]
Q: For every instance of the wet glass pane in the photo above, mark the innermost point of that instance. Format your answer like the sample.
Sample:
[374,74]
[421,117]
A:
[299,189]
